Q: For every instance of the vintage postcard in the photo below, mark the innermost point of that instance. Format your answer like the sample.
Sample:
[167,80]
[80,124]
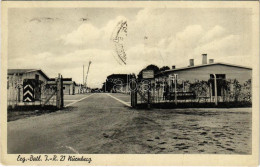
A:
[130,83]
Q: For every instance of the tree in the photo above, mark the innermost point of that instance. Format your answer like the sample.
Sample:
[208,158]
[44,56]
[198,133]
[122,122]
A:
[149,67]
[237,90]
[200,88]
[247,91]
[164,68]
[153,67]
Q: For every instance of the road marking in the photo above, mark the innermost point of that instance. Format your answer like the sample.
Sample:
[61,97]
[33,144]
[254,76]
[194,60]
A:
[119,100]
[78,100]
[72,149]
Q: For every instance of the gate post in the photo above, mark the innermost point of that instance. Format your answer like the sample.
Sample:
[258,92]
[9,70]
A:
[58,92]
[133,93]
[59,96]
[61,92]
[149,95]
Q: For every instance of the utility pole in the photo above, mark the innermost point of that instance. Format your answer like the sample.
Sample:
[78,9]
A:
[87,74]
[83,75]
[83,83]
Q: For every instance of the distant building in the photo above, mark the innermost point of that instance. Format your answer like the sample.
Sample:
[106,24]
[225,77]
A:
[68,85]
[117,83]
[78,88]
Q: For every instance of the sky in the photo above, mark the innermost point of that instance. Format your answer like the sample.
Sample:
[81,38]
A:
[62,40]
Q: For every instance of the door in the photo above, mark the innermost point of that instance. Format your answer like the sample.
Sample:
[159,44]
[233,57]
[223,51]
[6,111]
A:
[220,78]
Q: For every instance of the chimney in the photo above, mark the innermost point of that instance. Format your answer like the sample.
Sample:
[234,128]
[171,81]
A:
[191,62]
[204,58]
[211,61]
[173,67]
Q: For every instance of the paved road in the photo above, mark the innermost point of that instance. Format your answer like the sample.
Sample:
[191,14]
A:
[104,123]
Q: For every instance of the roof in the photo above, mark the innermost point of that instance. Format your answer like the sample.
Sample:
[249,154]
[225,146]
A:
[23,71]
[64,82]
[19,71]
[204,65]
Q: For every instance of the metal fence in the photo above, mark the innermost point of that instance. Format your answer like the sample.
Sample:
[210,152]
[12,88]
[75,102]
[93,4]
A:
[199,91]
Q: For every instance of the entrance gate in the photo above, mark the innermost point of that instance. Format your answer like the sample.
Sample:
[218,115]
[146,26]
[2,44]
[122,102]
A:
[34,92]
[172,90]
[185,93]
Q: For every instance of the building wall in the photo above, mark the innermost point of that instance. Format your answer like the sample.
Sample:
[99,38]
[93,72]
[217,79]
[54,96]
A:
[14,92]
[77,89]
[203,73]
[67,89]
[31,75]
[72,89]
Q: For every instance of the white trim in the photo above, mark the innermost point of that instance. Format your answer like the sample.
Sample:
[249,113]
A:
[125,103]
[78,100]
[27,99]
[27,92]
[29,86]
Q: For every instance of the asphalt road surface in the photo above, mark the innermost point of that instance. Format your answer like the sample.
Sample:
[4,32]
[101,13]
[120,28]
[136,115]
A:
[104,123]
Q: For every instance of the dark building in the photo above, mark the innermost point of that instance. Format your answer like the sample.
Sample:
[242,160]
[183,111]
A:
[117,83]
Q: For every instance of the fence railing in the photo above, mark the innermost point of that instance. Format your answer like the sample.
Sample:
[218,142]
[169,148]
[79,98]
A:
[199,92]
